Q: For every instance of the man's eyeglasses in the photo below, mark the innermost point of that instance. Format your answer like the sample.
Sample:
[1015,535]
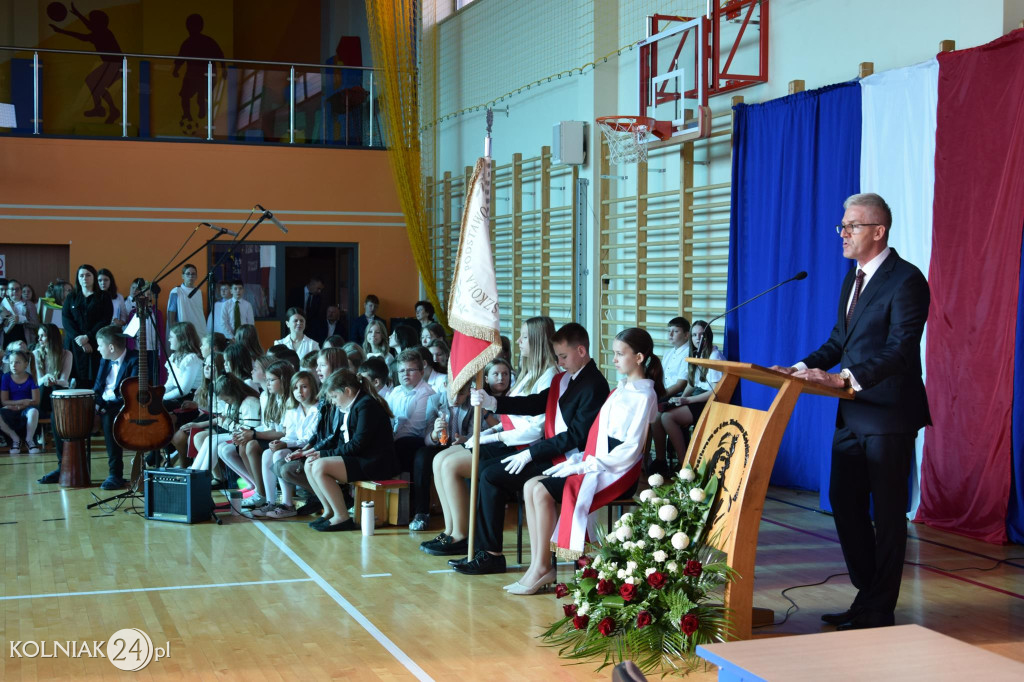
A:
[853,228]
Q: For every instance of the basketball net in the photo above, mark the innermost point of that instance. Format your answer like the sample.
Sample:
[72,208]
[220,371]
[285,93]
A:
[627,138]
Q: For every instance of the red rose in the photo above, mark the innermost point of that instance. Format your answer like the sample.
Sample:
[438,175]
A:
[656,580]
[693,569]
[569,610]
[627,592]
[605,587]
[689,624]
[643,619]
[561,590]
[606,626]
[580,622]
[589,573]
[584,561]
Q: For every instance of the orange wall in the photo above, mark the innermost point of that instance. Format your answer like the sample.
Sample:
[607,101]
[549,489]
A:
[37,176]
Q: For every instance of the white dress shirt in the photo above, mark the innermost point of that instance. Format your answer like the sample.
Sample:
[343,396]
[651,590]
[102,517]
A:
[109,393]
[674,364]
[228,313]
[409,407]
[307,345]
[527,428]
[625,416]
[299,426]
[189,370]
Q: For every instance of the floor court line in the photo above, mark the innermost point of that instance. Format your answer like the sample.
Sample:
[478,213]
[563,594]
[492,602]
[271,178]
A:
[351,610]
[17,597]
[376,575]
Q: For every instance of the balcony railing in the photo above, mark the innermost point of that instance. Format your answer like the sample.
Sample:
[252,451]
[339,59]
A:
[162,97]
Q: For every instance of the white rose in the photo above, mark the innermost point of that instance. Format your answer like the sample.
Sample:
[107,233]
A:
[598,560]
[624,533]
[697,494]
[655,480]
[621,574]
[656,500]
[656,532]
[649,571]
[583,608]
[660,556]
[645,495]
[671,567]
[601,575]
[626,518]
[687,474]
[680,540]
[640,544]
[630,581]
[668,513]
[627,545]
[611,537]
[630,566]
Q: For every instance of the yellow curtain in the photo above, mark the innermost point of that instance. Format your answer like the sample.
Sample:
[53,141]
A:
[393,39]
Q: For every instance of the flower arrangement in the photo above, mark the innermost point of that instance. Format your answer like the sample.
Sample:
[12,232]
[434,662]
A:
[643,595]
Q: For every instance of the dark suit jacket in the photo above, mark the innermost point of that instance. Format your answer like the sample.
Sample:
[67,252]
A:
[882,349]
[580,404]
[370,434]
[314,314]
[129,368]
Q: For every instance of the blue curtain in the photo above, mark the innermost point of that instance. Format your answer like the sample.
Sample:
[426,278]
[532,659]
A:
[795,160]
[1015,511]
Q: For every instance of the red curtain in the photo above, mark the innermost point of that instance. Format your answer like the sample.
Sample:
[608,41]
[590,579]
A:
[975,267]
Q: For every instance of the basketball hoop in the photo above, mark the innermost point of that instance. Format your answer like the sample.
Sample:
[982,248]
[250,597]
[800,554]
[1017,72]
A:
[628,136]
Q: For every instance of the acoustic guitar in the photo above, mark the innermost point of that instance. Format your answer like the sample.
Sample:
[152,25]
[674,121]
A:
[143,424]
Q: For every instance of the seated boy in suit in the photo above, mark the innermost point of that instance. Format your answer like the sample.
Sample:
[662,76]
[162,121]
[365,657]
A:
[118,364]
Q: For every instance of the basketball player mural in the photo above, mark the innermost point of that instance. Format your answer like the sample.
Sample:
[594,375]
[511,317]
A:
[193,83]
[102,38]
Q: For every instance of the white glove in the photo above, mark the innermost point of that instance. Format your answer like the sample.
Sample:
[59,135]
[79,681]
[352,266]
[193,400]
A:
[564,470]
[517,462]
[486,438]
[482,398]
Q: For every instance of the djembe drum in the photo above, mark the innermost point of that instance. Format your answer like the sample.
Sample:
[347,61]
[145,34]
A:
[73,413]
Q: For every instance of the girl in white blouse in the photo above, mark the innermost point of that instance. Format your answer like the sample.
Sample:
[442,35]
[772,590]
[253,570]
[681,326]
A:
[610,465]
[452,466]
[300,423]
[240,409]
[297,339]
[252,442]
[184,366]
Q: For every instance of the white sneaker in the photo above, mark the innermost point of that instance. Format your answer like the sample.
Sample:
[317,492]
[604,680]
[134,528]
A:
[281,511]
[254,501]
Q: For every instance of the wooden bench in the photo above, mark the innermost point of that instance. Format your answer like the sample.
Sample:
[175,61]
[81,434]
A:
[380,492]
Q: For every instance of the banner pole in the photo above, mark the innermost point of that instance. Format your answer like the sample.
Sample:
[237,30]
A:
[474,473]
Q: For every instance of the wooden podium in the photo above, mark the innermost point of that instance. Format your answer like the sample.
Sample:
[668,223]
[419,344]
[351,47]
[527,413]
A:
[740,445]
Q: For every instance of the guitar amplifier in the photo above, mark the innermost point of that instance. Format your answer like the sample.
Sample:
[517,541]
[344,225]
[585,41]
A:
[178,495]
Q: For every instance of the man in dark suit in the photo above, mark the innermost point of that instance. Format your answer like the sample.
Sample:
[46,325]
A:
[310,300]
[583,392]
[877,344]
[335,323]
[118,364]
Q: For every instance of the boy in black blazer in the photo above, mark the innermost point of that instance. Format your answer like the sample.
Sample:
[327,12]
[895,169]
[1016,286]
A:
[118,364]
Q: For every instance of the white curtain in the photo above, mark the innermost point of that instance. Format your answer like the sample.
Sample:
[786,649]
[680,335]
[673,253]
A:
[898,162]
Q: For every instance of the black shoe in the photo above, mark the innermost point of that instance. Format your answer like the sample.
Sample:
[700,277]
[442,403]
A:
[52,477]
[154,459]
[322,521]
[347,524]
[484,563]
[840,618]
[447,547]
[311,507]
[113,483]
[439,539]
[866,620]
[458,562]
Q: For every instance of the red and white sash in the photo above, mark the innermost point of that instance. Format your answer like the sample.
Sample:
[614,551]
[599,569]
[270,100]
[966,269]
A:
[584,494]
[553,422]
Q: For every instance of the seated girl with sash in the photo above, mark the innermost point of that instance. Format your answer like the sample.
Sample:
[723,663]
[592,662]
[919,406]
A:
[559,504]
[452,466]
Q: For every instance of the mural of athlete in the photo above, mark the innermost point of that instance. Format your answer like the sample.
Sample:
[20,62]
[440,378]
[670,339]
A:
[193,83]
[106,74]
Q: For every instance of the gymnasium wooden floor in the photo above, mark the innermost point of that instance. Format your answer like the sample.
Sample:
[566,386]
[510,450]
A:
[277,601]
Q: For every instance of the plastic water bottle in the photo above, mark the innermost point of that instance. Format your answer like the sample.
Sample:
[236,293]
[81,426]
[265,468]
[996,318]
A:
[443,440]
[368,517]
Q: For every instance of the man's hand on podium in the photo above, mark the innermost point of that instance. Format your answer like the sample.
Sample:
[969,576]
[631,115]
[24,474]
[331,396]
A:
[820,376]
[784,370]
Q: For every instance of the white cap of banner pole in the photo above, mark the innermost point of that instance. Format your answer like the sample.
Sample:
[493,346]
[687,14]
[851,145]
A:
[487,140]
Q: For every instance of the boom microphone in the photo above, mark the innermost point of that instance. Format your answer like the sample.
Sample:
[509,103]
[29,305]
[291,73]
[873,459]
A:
[270,216]
[800,275]
[218,228]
